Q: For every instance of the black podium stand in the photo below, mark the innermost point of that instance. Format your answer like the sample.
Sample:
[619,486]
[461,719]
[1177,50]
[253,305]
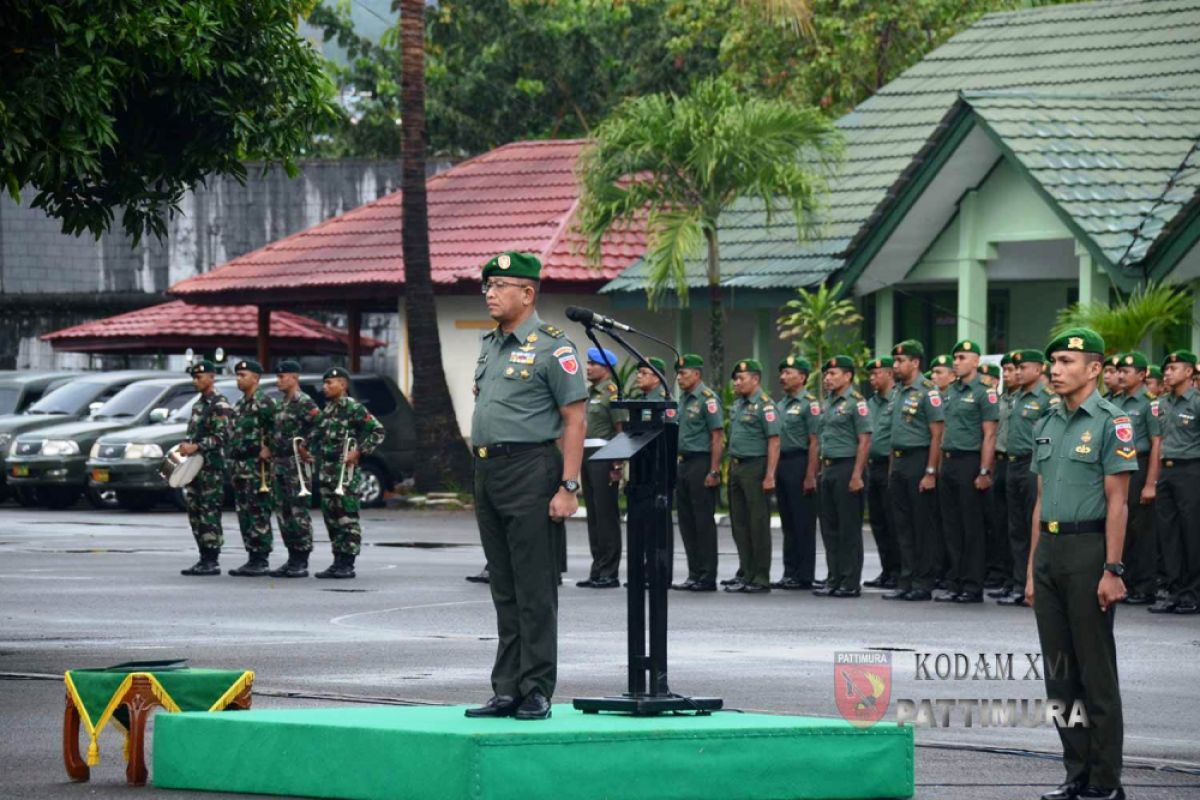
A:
[648,443]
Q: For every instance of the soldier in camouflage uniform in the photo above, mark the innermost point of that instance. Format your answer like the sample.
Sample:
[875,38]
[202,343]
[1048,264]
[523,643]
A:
[294,417]
[207,433]
[342,418]
[249,466]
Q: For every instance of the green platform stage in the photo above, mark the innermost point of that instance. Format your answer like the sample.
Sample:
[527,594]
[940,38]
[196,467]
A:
[434,753]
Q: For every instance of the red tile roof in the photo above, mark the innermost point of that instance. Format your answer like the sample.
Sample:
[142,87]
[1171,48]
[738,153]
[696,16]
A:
[521,196]
[180,325]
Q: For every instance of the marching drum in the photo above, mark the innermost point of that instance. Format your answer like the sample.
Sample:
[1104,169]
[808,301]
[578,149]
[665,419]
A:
[179,470]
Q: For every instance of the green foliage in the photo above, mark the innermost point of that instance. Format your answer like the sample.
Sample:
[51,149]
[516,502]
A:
[110,104]
[821,323]
[1150,310]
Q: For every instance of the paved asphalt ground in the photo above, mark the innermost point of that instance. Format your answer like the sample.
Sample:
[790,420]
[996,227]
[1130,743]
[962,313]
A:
[80,588]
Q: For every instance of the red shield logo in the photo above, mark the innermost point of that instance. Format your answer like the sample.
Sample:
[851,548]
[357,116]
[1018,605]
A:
[1124,429]
[569,364]
[935,399]
[862,686]
[711,405]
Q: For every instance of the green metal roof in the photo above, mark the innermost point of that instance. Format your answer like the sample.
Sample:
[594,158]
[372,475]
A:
[1097,101]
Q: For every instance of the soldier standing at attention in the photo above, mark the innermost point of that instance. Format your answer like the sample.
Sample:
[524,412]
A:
[1140,548]
[917,428]
[295,415]
[1084,454]
[250,467]
[796,479]
[753,460]
[207,433]
[1177,519]
[845,439]
[647,385]
[341,420]
[883,526]
[968,456]
[602,479]
[530,393]
[701,442]
[942,372]
[1154,381]
[1112,376]
[998,578]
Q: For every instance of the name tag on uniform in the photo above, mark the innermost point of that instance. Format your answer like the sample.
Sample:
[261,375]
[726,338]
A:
[1043,440]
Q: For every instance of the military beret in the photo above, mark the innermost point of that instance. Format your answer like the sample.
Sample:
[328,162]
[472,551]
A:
[689,361]
[335,372]
[1154,371]
[288,366]
[965,346]
[516,265]
[795,362]
[1025,356]
[656,363]
[603,357]
[942,361]
[841,362]
[203,367]
[248,365]
[1114,360]
[1180,356]
[1136,359]
[883,362]
[1080,340]
[747,365]
[991,370]
[909,347]
[928,374]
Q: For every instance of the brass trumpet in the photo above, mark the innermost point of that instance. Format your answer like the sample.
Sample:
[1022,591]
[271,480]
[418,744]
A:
[297,443]
[263,486]
[347,472]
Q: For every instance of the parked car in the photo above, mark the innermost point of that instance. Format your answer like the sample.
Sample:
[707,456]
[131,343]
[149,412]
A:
[53,460]
[19,390]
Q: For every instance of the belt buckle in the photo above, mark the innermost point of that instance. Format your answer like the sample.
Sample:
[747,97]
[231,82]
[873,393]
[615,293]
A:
[1052,526]
[898,454]
[481,452]
[1168,463]
[948,454]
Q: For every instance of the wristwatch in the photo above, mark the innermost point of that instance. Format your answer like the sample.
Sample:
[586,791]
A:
[570,486]
[1116,568]
[930,471]
[984,471]
[716,473]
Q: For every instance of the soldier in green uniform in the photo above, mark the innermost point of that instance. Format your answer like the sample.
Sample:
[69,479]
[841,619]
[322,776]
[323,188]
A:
[529,393]
[916,438]
[998,577]
[1140,547]
[941,372]
[845,438]
[647,385]
[1112,376]
[248,458]
[602,479]
[968,457]
[1084,454]
[796,479]
[344,432]
[753,460]
[1154,384]
[1177,505]
[701,443]
[882,406]
[207,433]
[295,415]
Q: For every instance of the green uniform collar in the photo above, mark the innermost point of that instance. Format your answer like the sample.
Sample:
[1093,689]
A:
[1089,404]
[522,331]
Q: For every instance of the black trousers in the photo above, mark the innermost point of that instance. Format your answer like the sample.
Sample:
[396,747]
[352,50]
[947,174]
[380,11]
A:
[998,551]
[962,521]
[915,515]
[696,505]
[1022,495]
[1177,524]
[1140,548]
[798,515]
[880,511]
[841,526]
[603,516]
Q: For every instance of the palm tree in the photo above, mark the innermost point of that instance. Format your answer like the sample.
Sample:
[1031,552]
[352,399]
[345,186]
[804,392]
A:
[677,163]
[821,323]
[444,457]
[1132,323]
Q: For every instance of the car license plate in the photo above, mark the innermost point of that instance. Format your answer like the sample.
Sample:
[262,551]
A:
[100,475]
[20,472]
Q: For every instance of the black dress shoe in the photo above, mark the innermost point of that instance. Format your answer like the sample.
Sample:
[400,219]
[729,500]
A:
[1138,600]
[731,581]
[586,583]
[1068,791]
[482,577]
[916,595]
[605,583]
[686,586]
[996,594]
[969,597]
[535,706]
[1097,793]
[993,583]
[755,588]
[824,591]
[896,594]
[1163,607]
[1014,599]
[844,593]
[889,582]
[1187,608]
[876,582]
[703,586]
[501,705]
[946,596]
[819,584]
[735,586]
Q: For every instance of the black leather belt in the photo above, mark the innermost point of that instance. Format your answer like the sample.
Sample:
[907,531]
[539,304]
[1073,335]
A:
[693,454]
[1020,457]
[746,459]
[790,454]
[959,453]
[910,451]
[829,462]
[506,449]
[1057,528]
[876,460]
[1179,462]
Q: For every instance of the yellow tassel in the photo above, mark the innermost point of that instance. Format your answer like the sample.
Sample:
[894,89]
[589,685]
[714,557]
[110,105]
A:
[93,757]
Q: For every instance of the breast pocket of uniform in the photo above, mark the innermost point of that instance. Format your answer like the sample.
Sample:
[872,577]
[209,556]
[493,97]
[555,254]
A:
[1044,448]
[1083,469]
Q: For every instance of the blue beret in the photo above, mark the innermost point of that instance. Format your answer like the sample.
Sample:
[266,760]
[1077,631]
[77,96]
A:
[603,357]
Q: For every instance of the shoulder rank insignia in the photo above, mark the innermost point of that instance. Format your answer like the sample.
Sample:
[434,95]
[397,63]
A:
[612,387]
[707,393]
[552,331]
[857,395]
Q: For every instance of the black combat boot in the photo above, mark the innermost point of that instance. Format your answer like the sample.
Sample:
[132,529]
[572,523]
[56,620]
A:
[255,567]
[207,565]
[296,566]
[342,567]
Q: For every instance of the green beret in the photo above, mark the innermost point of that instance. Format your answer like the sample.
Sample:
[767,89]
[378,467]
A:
[747,365]
[991,370]
[1154,371]
[335,372]
[248,365]
[928,375]
[966,346]
[1007,359]
[203,367]
[1114,360]
[689,361]
[1184,356]
[842,362]
[909,347]
[1025,356]
[1134,358]
[516,265]
[942,361]
[1080,340]
[288,366]
[795,362]
[655,362]
[883,362]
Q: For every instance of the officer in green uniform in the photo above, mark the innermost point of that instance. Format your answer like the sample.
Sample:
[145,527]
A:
[344,432]
[701,443]
[753,459]
[529,393]
[1030,402]
[1084,454]
[295,415]
[249,467]
[968,456]
[998,578]
[916,438]
[1177,505]
[602,479]
[1112,376]
[881,404]
[845,438]
[796,479]
[1154,384]
[941,372]
[1140,548]
[647,385]
[207,434]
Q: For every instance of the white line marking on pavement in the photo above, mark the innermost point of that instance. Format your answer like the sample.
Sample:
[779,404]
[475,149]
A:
[342,619]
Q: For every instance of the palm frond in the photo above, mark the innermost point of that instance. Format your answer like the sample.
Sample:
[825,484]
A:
[1149,310]
[675,236]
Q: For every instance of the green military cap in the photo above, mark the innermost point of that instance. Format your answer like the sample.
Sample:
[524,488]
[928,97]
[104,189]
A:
[1135,358]
[335,372]
[1154,371]
[689,361]
[1080,340]
[204,366]
[1180,356]
[656,362]
[1025,356]
[965,346]
[909,347]
[287,366]
[1114,360]
[883,362]
[928,374]
[1007,359]
[942,361]
[514,264]
[991,370]
[842,362]
[748,365]
[795,362]
[248,365]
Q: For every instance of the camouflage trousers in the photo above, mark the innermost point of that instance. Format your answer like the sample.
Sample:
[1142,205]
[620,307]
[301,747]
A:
[341,513]
[204,496]
[291,509]
[253,513]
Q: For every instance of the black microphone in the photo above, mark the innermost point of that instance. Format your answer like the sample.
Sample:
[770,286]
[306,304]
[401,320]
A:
[585,316]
